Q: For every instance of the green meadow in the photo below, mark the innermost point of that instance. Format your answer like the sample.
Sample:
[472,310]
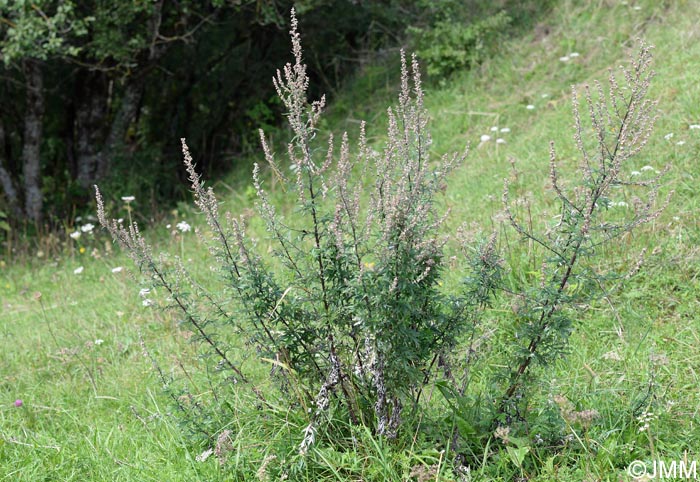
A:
[78,343]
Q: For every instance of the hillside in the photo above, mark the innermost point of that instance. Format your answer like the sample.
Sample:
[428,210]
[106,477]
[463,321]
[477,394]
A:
[74,330]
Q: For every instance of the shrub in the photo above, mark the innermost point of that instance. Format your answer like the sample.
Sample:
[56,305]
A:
[618,124]
[451,45]
[349,308]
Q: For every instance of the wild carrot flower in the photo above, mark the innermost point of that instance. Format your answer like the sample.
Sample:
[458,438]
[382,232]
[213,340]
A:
[485,138]
[530,107]
[644,419]
[78,270]
[87,228]
[183,226]
[128,199]
[118,269]
[75,235]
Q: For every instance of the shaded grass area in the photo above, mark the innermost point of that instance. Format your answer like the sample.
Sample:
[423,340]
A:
[96,411]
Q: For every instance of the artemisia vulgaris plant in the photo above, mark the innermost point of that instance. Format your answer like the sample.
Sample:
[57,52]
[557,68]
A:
[347,307]
[609,135]
[344,303]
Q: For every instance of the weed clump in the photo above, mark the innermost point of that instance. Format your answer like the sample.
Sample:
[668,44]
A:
[346,306]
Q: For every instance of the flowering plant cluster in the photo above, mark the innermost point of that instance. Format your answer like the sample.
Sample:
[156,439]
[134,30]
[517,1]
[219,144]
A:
[346,300]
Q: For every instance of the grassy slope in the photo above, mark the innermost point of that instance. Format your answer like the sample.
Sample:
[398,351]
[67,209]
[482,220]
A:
[114,429]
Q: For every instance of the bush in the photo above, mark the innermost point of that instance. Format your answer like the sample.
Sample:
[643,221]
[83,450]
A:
[452,45]
[351,309]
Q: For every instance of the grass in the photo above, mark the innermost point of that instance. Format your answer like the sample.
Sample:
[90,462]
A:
[96,411]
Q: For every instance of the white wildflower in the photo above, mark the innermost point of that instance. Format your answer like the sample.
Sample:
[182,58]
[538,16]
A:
[637,7]
[118,269]
[494,129]
[500,141]
[99,341]
[485,138]
[505,129]
[647,168]
[147,302]
[143,292]
[78,270]
[668,136]
[183,226]
[635,173]
[75,235]
[645,418]
[694,126]
[87,228]
[530,107]
[680,143]
[574,54]
[564,58]
[128,199]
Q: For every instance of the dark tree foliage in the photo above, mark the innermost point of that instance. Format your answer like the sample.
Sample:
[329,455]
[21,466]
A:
[97,90]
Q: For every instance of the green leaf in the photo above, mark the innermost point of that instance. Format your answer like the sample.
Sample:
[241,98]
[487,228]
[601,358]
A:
[517,455]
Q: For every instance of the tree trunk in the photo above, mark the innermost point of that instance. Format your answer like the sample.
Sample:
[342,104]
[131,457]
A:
[90,113]
[7,182]
[128,108]
[31,160]
[131,97]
